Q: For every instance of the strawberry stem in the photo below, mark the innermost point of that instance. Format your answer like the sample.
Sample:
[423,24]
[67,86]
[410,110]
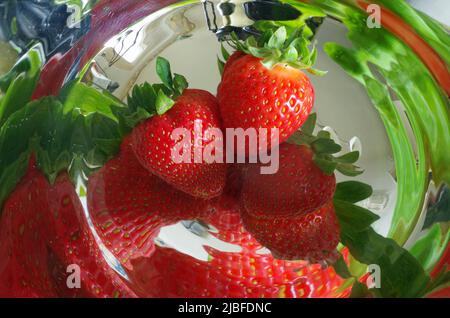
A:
[325,148]
[148,100]
[158,98]
[279,45]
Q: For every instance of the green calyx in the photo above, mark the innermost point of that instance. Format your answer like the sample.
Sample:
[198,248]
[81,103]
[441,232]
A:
[77,131]
[157,99]
[325,148]
[280,45]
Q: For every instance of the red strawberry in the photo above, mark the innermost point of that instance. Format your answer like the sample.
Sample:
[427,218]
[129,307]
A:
[440,292]
[23,252]
[312,236]
[253,96]
[297,188]
[153,144]
[225,215]
[235,179]
[71,241]
[267,90]
[233,58]
[129,205]
[169,273]
[43,231]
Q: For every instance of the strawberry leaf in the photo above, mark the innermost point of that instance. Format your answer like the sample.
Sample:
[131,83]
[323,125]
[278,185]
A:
[172,85]
[19,83]
[359,218]
[290,55]
[301,44]
[278,38]
[269,62]
[225,53]
[279,44]
[164,72]
[163,103]
[325,146]
[295,35]
[349,169]
[148,100]
[350,157]
[221,65]
[261,52]
[88,100]
[180,84]
[161,87]
[402,274]
[61,140]
[317,72]
[324,134]
[352,191]
[341,268]
[129,118]
[313,56]
[310,124]
[325,165]
[359,290]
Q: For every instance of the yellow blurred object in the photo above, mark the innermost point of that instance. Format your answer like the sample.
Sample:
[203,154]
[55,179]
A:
[8,58]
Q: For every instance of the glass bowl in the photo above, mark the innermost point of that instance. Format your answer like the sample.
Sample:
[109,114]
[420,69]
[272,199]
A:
[385,95]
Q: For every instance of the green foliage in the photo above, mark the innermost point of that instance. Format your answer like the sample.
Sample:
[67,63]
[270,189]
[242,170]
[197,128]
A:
[324,148]
[148,100]
[440,210]
[19,83]
[425,105]
[401,273]
[429,249]
[278,44]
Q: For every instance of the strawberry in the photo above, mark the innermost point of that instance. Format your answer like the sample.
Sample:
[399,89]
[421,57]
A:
[233,58]
[235,179]
[128,206]
[248,273]
[225,215]
[264,87]
[313,236]
[71,241]
[23,252]
[298,187]
[153,143]
[43,231]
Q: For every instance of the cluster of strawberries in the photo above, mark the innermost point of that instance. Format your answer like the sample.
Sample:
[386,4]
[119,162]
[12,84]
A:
[291,211]
[129,205]
[43,228]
